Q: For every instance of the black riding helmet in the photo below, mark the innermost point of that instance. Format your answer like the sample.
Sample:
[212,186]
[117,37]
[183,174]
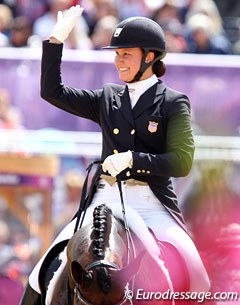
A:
[140,32]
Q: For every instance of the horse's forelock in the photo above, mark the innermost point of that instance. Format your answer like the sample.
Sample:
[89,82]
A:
[104,279]
[101,228]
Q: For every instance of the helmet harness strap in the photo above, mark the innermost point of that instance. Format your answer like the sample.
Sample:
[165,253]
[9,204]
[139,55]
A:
[144,65]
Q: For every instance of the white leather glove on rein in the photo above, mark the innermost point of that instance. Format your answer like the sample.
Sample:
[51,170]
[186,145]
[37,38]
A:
[66,22]
[116,163]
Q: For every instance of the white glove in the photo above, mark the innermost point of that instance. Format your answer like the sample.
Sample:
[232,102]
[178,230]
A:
[65,22]
[116,163]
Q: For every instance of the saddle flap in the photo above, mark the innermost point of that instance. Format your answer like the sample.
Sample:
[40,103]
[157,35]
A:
[50,265]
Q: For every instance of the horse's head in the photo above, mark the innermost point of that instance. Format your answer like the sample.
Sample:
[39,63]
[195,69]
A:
[99,267]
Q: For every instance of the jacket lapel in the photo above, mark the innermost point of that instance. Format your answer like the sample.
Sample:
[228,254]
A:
[123,103]
[149,98]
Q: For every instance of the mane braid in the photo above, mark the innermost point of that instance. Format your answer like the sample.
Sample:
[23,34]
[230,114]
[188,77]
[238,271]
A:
[101,228]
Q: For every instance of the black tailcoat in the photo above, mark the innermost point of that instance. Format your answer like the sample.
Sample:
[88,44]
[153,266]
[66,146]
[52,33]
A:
[157,130]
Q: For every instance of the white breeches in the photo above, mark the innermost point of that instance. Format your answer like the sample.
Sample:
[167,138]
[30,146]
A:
[155,216]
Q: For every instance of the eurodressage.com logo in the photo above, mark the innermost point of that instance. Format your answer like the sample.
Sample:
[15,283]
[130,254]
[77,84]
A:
[200,297]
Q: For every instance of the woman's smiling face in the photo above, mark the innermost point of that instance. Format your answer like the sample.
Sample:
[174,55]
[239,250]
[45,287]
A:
[128,62]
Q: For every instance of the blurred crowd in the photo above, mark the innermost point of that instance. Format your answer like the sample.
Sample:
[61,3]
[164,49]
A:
[191,26]
[15,257]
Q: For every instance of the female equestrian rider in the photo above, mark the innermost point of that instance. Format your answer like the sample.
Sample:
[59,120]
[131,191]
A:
[146,132]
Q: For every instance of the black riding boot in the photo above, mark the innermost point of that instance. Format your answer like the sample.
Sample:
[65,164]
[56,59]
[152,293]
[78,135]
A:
[30,297]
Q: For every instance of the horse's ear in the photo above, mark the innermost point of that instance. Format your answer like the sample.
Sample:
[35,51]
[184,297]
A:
[80,275]
[132,268]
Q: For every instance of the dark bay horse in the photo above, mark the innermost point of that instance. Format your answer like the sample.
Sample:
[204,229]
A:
[105,268]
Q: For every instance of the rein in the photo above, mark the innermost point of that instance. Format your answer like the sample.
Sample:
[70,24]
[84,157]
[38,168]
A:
[130,243]
[85,198]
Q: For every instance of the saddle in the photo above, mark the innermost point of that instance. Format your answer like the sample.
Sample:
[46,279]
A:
[49,266]
[174,263]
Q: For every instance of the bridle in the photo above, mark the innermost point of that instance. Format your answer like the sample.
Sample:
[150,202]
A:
[78,295]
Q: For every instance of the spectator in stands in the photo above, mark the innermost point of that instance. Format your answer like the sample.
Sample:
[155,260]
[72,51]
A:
[208,8]
[31,9]
[43,25]
[130,8]
[20,32]
[165,12]
[11,4]
[5,20]
[103,31]
[218,40]
[98,10]
[10,116]
[175,36]
[202,38]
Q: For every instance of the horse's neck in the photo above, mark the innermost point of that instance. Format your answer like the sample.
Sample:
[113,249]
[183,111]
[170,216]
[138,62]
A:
[78,245]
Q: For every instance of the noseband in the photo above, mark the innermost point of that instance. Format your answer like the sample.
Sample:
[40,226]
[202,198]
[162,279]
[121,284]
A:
[101,263]
[79,297]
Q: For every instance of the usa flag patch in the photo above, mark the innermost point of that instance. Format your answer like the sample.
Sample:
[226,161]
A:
[152,126]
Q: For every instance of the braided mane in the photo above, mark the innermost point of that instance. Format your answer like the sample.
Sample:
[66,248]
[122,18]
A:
[102,221]
[101,228]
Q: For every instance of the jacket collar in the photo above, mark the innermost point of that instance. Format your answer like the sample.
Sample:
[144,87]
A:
[124,104]
[149,98]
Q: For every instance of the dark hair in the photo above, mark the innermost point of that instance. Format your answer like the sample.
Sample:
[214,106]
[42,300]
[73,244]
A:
[159,68]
